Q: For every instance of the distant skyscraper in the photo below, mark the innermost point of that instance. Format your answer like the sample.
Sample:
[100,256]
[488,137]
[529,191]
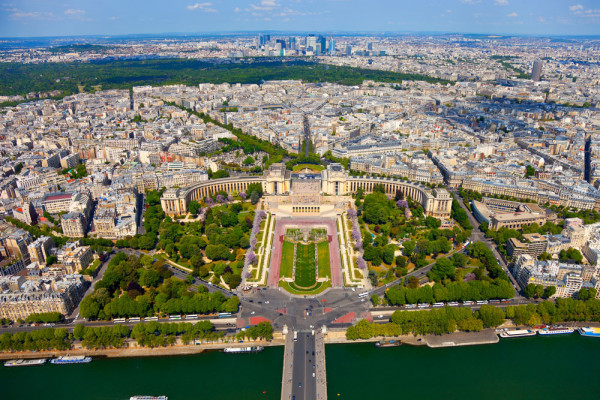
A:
[263,39]
[311,42]
[348,50]
[370,46]
[292,42]
[321,40]
[282,42]
[536,71]
[331,46]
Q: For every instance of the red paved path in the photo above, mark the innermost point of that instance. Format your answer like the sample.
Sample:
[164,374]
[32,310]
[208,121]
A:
[346,319]
[334,249]
[258,320]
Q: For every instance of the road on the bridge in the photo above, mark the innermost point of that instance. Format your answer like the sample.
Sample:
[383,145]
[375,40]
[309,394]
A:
[304,384]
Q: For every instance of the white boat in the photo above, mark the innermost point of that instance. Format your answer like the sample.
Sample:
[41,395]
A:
[148,398]
[71,360]
[253,349]
[555,330]
[25,363]
[517,333]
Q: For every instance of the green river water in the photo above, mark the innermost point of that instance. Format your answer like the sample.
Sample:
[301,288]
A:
[558,367]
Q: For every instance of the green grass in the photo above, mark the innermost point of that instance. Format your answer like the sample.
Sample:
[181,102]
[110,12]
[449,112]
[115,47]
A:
[292,288]
[287,260]
[323,252]
[299,167]
[305,265]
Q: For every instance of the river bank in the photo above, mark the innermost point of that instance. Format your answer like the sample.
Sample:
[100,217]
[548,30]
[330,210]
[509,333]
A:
[333,336]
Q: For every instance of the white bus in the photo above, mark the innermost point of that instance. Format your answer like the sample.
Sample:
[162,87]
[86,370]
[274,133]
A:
[119,321]
[174,317]
[191,316]
[438,304]
[364,294]
[151,319]
[135,319]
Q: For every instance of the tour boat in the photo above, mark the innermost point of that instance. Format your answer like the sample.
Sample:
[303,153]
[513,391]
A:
[555,330]
[388,343]
[517,333]
[253,349]
[71,360]
[25,363]
[148,398]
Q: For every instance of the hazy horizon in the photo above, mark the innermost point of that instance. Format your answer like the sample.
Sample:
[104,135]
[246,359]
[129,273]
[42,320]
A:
[47,18]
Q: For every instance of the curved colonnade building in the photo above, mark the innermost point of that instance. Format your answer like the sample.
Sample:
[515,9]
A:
[308,193]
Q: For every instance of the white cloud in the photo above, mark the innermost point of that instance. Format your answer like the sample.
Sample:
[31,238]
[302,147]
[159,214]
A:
[512,15]
[501,2]
[72,11]
[237,9]
[33,15]
[580,10]
[470,1]
[204,7]
[542,20]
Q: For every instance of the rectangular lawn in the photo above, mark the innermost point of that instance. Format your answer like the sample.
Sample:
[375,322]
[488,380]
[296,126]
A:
[324,268]
[287,260]
[305,265]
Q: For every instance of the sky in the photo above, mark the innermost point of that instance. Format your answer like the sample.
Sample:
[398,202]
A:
[30,18]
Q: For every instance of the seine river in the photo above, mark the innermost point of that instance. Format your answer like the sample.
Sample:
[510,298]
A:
[559,367]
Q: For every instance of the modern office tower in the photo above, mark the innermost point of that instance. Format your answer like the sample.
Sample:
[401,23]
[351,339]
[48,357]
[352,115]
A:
[370,46]
[536,71]
[281,42]
[311,42]
[292,42]
[331,46]
[323,42]
[348,50]
[263,39]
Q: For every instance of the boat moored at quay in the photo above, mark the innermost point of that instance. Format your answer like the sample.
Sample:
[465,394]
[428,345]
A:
[516,333]
[555,330]
[237,350]
[388,343]
[25,363]
[71,360]
[591,332]
[148,398]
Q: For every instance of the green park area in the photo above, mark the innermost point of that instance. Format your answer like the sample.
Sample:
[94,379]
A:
[323,253]
[300,167]
[305,265]
[305,275]
[287,260]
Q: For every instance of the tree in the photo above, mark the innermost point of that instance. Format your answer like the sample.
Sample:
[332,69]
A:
[150,278]
[443,268]
[529,171]
[491,316]
[388,254]
[194,207]
[432,223]
[401,262]
[254,197]
[235,281]
[249,160]
[376,210]
[549,292]
[375,300]
[529,291]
